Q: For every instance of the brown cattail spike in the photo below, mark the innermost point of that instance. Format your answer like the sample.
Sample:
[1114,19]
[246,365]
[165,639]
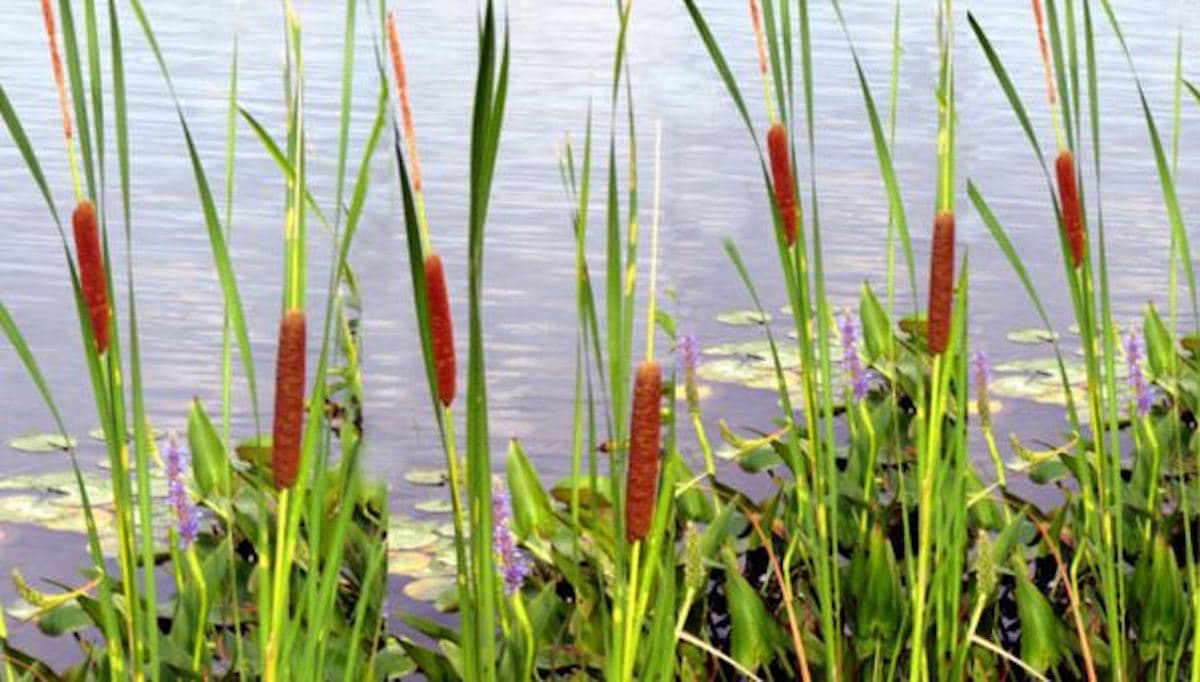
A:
[91,270]
[781,173]
[1068,196]
[289,399]
[941,282]
[441,328]
[644,432]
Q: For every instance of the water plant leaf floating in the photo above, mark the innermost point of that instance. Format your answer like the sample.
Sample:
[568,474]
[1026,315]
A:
[27,509]
[428,589]
[430,477]
[409,534]
[743,318]
[41,442]
[409,564]
[436,506]
[1033,335]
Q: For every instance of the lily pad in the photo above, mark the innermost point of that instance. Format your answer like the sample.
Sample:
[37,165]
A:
[97,433]
[41,442]
[743,318]
[412,564]
[1033,335]
[27,509]
[430,477]
[409,534]
[435,506]
[428,589]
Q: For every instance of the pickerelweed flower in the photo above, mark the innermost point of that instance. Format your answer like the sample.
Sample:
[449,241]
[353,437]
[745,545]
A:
[983,378]
[187,520]
[1135,378]
[851,363]
[689,359]
[512,562]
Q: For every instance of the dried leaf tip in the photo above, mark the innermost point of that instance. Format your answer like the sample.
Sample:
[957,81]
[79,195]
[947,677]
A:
[287,433]
[92,278]
[644,434]
[441,328]
[781,174]
[941,282]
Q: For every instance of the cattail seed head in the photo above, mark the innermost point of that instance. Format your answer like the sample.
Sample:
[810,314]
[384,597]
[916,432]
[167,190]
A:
[941,282]
[1068,196]
[91,270]
[441,328]
[405,104]
[644,432]
[781,173]
[56,65]
[289,399]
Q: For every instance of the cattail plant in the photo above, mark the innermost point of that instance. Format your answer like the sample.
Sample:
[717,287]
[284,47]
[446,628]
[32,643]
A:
[289,399]
[644,432]
[441,328]
[781,173]
[405,103]
[56,65]
[941,282]
[1068,196]
[91,270]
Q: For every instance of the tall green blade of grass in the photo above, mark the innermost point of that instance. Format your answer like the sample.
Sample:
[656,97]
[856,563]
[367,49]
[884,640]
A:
[78,98]
[212,220]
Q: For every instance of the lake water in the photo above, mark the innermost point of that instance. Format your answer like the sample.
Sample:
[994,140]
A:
[561,64]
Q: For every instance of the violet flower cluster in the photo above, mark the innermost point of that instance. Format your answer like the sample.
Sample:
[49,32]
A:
[1135,377]
[512,563]
[689,357]
[187,519]
[851,363]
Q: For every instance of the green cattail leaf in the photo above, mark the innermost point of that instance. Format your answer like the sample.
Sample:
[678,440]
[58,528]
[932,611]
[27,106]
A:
[875,324]
[530,504]
[1161,604]
[1159,345]
[210,461]
[755,633]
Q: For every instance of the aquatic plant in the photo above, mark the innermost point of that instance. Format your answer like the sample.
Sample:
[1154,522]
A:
[289,399]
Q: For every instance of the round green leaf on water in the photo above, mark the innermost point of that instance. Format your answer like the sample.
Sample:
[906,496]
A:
[28,509]
[41,442]
[436,506]
[431,477]
[428,589]
[410,534]
[743,318]
[1031,336]
[413,564]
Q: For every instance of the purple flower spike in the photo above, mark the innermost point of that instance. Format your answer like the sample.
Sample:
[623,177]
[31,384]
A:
[983,378]
[186,518]
[689,358]
[513,564]
[851,363]
[1135,378]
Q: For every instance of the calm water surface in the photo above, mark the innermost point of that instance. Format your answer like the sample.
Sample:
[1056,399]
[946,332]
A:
[561,61]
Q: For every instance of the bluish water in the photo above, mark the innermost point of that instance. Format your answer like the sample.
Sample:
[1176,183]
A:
[561,66]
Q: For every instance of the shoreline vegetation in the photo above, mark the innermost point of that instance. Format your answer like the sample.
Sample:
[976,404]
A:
[877,550]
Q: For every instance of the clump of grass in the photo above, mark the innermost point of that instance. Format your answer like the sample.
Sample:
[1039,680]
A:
[287,432]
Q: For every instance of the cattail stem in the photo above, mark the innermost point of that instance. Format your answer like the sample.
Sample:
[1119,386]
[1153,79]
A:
[410,133]
[761,44]
[441,328]
[1068,196]
[64,103]
[1051,91]
[289,399]
[92,278]
[783,180]
[644,434]
[652,303]
[941,282]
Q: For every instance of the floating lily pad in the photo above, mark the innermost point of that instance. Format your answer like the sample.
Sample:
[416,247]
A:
[409,534]
[1017,386]
[41,442]
[430,477]
[743,318]
[412,564]
[97,433]
[1031,336]
[428,589]
[445,530]
[437,506]
[27,509]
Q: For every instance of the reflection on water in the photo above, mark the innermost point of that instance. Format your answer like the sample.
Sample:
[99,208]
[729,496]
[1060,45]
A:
[561,55]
